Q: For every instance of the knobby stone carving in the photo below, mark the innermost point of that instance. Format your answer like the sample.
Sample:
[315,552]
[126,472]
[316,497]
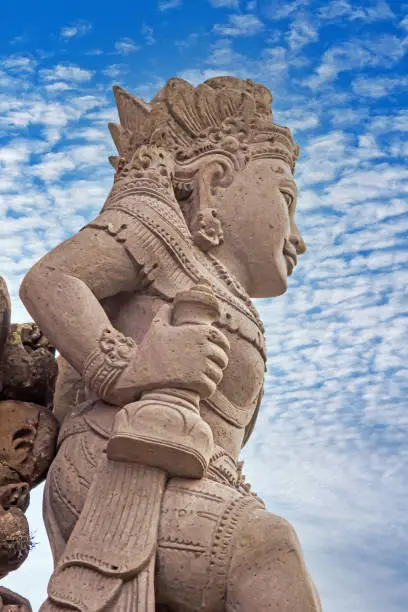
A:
[28,435]
[163,361]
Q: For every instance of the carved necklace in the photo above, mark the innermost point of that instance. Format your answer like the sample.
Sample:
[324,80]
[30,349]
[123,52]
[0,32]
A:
[233,285]
[235,296]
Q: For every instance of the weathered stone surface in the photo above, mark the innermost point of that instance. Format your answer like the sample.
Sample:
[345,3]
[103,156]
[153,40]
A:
[11,602]
[27,441]
[28,433]
[146,504]
[5,313]
[28,368]
[14,538]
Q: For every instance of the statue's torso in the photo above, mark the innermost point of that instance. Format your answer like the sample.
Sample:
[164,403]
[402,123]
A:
[166,263]
[133,314]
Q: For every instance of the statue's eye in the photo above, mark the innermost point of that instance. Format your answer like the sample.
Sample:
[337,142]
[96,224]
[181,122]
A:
[288,197]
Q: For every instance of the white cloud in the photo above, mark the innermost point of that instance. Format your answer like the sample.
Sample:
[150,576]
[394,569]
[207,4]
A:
[188,42]
[302,32]
[347,116]
[166,5]
[404,23]
[383,50]
[18,63]
[277,10]
[148,34]
[399,148]
[69,32]
[19,40]
[393,122]
[325,157]
[66,73]
[53,166]
[89,154]
[124,46]
[299,119]
[114,70]
[367,184]
[270,67]
[58,87]
[338,9]
[240,25]
[223,54]
[368,147]
[388,48]
[79,28]
[343,9]
[378,87]
[19,149]
[91,134]
[225,3]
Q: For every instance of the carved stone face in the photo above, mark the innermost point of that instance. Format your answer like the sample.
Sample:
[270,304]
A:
[257,213]
[27,447]
[27,443]
[14,498]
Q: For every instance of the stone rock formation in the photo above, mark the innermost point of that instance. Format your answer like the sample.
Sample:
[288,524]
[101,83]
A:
[28,434]
[163,361]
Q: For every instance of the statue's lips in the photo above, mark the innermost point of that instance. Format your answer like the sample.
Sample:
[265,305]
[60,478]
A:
[290,255]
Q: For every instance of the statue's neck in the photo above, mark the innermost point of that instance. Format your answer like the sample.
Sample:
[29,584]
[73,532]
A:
[233,264]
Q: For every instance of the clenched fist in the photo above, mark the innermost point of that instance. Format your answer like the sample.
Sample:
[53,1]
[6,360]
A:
[189,356]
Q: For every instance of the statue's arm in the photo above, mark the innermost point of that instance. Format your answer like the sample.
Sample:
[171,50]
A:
[62,292]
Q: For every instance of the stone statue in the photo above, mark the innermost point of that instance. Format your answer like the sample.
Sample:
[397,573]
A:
[163,361]
[28,436]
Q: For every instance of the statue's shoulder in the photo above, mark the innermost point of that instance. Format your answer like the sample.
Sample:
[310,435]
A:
[156,238]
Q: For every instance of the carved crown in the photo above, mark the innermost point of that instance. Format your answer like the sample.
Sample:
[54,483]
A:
[224,114]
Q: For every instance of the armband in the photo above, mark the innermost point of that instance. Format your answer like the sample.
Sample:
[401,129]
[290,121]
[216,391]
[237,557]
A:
[105,364]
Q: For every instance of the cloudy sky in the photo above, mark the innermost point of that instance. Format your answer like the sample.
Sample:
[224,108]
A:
[331,449]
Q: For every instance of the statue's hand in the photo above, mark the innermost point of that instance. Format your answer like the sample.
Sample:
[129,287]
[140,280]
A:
[188,356]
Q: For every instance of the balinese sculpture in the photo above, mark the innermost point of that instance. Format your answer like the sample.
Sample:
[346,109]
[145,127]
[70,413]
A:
[163,364]
[28,433]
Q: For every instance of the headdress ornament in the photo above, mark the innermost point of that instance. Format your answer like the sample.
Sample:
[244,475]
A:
[223,115]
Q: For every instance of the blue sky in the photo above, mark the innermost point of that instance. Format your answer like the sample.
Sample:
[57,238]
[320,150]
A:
[330,452]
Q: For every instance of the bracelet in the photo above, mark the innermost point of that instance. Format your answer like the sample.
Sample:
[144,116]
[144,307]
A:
[105,364]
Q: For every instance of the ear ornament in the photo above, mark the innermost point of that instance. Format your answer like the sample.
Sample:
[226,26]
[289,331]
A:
[206,229]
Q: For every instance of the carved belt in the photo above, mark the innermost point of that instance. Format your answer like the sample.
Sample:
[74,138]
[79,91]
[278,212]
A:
[89,418]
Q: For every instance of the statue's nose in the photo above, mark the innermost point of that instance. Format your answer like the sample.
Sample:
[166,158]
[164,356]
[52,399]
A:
[16,494]
[298,242]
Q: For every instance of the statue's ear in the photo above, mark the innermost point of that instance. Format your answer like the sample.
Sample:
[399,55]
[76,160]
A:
[215,173]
